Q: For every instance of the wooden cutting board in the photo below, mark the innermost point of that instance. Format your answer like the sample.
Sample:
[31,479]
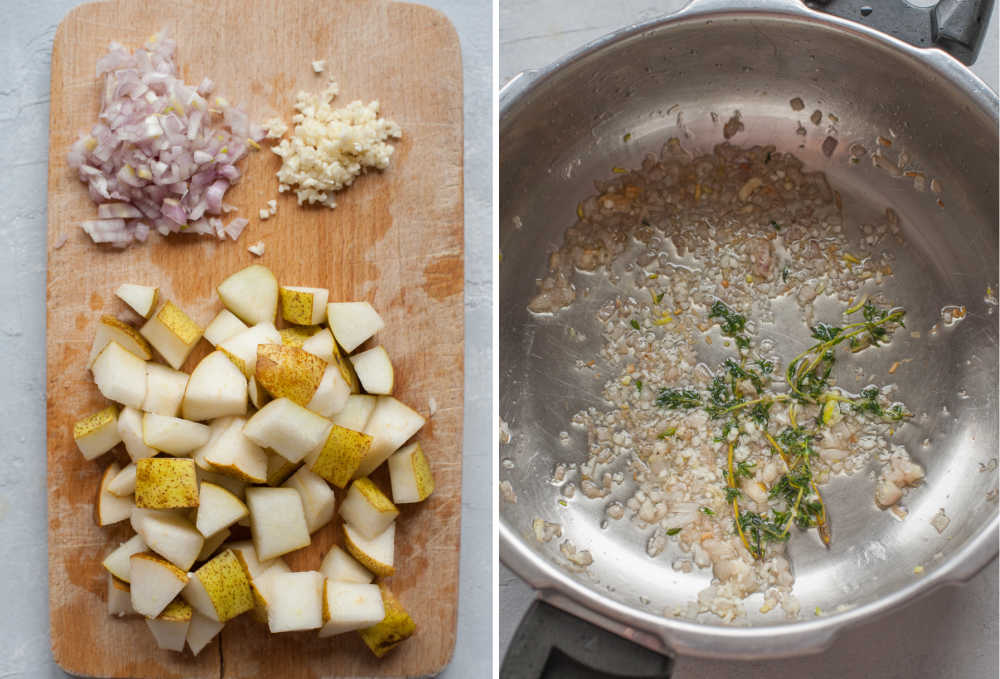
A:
[395,239]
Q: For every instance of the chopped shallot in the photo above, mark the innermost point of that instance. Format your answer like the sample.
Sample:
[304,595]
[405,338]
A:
[235,227]
[162,154]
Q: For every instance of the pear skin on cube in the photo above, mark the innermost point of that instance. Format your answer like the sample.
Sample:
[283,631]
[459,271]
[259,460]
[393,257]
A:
[279,469]
[290,372]
[227,584]
[410,474]
[172,333]
[395,628]
[98,433]
[303,306]
[367,509]
[111,329]
[347,372]
[376,555]
[165,483]
[177,610]
[296,335]
[341,454]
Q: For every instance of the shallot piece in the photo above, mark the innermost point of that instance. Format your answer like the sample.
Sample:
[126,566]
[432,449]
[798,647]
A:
[163,153]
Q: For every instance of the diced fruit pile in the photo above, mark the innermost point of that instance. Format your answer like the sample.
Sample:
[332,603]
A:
[254,436]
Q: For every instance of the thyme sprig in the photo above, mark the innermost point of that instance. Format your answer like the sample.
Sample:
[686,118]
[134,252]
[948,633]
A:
[799,477]
[738,390]
[808,374]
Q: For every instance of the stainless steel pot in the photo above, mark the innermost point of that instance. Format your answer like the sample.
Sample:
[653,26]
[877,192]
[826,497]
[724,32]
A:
[563,127]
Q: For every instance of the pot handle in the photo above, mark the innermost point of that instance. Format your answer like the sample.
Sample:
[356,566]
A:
[955,26]
[552,644]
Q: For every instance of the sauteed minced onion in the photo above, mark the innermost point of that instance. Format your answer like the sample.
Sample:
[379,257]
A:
[729,459]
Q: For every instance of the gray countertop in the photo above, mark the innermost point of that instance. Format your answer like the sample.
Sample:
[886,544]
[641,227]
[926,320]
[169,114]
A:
[951,634]
[26,46]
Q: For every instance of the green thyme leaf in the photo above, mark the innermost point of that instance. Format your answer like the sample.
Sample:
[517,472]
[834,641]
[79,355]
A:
[677,399]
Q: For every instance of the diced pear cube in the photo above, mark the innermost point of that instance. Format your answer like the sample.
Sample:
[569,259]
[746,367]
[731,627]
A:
[98,433]
[170,628]
[172,333]
[367,509]
[251,294]
[332,393]
[216,388]
[338,459]
[303,306]
[248,553]
[279,469]
[111,508]
[165,483]
[339,566]
[120,375]
[258,394]
[110,329]
[212,543]
[119,598]
[347,372]
[295,602]
[353,322]
[349,606]
[142,298]
[201,632]
[317,498]
[155,583]
[172,435]
[261,586]
[376,555]
[235,486]
[216,428]
[220,589]
[117,562]
[410,475]
[357,409]
[289,372]
[164,390]
[218,509]
[130,430]
[391,424]
[223,326]
[297,335]
[374,369]
[277,521]
[234,454]
[242,348]
[396,627]
[123,484]
[170,535]
[287,428]
[321,344]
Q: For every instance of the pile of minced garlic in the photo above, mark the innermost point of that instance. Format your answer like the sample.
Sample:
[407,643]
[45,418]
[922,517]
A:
[329,147]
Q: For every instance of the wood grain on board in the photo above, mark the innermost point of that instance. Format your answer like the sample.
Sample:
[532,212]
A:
[395,239]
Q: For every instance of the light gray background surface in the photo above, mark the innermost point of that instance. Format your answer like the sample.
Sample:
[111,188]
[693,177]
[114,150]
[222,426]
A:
[951,634]
[28,29]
